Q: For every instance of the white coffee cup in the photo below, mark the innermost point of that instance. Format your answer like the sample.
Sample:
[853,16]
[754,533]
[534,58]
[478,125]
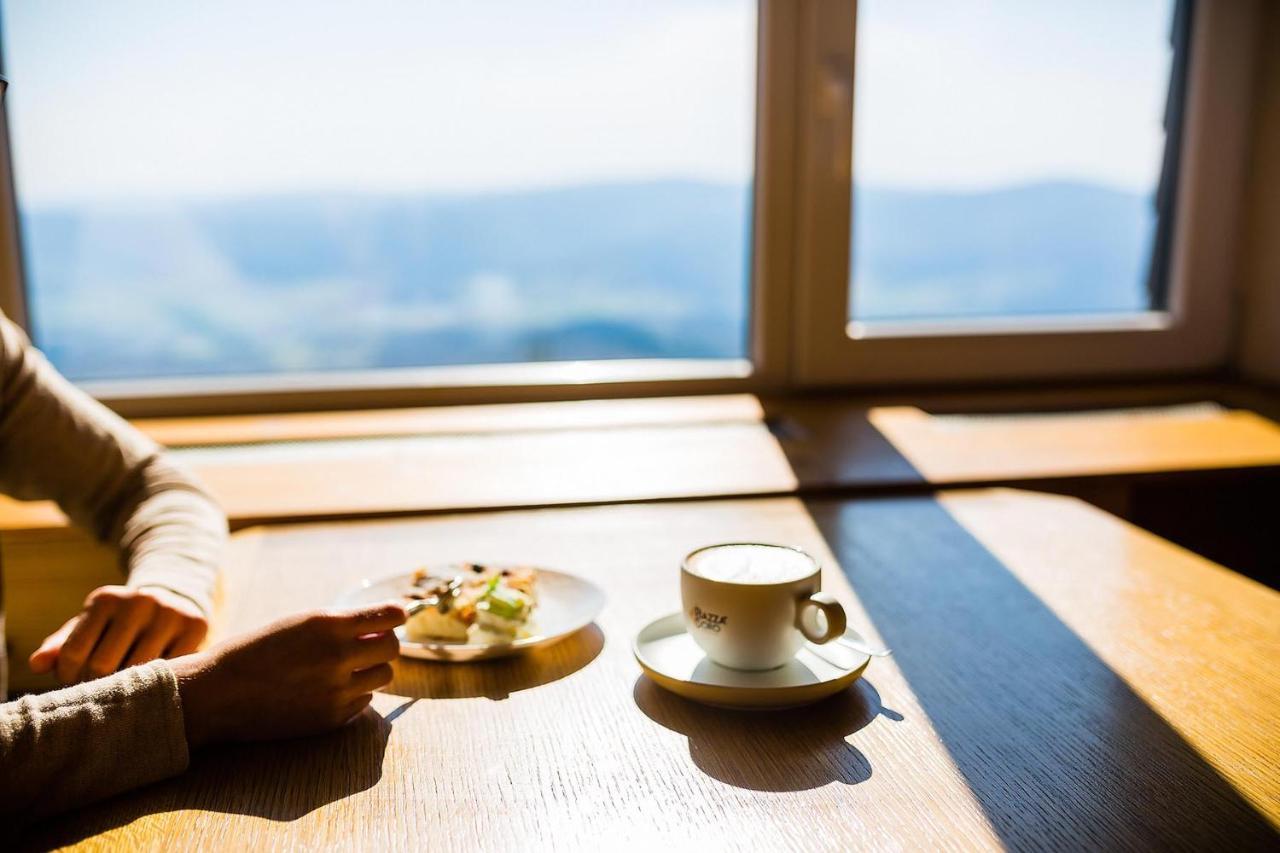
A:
[752,606]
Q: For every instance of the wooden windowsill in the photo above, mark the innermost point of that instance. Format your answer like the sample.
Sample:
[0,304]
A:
[292,467]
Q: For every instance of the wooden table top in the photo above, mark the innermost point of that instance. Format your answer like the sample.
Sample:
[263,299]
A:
[1060,679]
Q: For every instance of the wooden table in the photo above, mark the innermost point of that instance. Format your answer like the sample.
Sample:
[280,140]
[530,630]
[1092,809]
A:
[341,465]
[1060,679]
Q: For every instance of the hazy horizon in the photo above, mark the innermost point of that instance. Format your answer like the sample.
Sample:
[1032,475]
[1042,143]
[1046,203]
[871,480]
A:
[621,270]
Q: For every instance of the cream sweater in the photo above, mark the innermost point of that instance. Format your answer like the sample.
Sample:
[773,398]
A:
[71,746]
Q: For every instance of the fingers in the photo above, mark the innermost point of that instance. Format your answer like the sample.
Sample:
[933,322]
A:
[346,623]
[368,680]
[155,638]
[84,636]
[355,708]
[43,658]
[188,640]
[379,617]
[374,649]
[120,626]
[125,625]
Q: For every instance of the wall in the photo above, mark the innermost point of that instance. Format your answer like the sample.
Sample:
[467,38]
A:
[1258,353]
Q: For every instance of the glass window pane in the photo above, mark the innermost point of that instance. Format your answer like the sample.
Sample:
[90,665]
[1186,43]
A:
[1008,157]
[240,187]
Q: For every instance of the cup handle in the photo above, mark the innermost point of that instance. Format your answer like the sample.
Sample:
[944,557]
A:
[836,623]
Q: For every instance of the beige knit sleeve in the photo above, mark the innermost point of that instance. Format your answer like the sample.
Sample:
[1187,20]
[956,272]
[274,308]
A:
[58,443]
[82,743]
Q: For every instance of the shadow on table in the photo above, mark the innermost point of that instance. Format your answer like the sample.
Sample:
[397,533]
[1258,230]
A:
[791,750]
[498,678]
[1056,747]
[285,780]
[280,780]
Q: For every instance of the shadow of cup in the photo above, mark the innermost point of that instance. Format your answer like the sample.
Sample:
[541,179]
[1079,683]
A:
[497,678]
[789,750]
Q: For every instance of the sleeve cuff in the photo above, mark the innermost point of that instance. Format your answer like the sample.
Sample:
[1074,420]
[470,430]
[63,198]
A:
[182,577]
[82,743]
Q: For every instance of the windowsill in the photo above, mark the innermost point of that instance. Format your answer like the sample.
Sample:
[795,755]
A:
[267,469]
[392,387]
[1048,324]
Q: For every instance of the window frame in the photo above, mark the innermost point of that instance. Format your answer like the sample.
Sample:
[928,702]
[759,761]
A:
[13,296]
[765,367]
[1193,335]
[799,265]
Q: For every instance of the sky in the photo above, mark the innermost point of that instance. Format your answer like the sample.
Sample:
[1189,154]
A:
[195,99]
[971,94]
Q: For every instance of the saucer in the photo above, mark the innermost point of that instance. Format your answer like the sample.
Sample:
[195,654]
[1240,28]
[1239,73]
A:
[669,656]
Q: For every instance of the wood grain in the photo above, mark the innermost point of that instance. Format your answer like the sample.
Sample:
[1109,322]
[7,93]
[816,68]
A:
[1091,683]
[1018,710]
[274,482]
[452,420]
[1008,448]
[497,457]
[1158,617]
[300,481]
[813,412]
[478,457]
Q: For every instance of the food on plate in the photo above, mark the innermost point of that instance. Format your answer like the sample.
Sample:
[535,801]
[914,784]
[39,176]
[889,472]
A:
[471,603]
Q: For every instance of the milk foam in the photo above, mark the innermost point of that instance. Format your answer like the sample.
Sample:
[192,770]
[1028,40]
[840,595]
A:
[752,564]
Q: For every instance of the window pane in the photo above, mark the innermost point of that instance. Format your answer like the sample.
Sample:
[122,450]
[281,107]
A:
[239,187]
[1008,157]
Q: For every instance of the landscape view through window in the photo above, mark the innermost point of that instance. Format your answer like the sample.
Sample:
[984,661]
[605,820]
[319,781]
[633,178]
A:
[1007,156]
[240,188]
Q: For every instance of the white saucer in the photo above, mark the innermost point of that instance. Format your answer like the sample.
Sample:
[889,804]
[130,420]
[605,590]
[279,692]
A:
[669,656]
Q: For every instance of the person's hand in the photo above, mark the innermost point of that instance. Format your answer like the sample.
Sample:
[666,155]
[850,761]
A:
[303,674]
[120,627]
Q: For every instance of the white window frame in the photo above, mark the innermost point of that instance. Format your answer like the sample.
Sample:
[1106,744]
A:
[798,336]
[1193,335]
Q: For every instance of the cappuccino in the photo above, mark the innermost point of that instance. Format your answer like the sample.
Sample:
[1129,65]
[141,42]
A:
[753,606]
[750,564]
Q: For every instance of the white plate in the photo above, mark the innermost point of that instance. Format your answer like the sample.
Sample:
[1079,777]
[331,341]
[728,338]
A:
[669,656]
[566,604]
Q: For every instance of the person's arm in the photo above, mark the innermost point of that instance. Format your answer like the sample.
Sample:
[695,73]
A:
[302,675]
[91,740]
[58,443]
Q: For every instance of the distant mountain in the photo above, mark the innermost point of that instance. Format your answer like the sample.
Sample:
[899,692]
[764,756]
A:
[1049,248]
[653,269]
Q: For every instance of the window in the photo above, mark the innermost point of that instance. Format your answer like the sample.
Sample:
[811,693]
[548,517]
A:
[244,188]
[237,204]
[1008,156]
[1032,189]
